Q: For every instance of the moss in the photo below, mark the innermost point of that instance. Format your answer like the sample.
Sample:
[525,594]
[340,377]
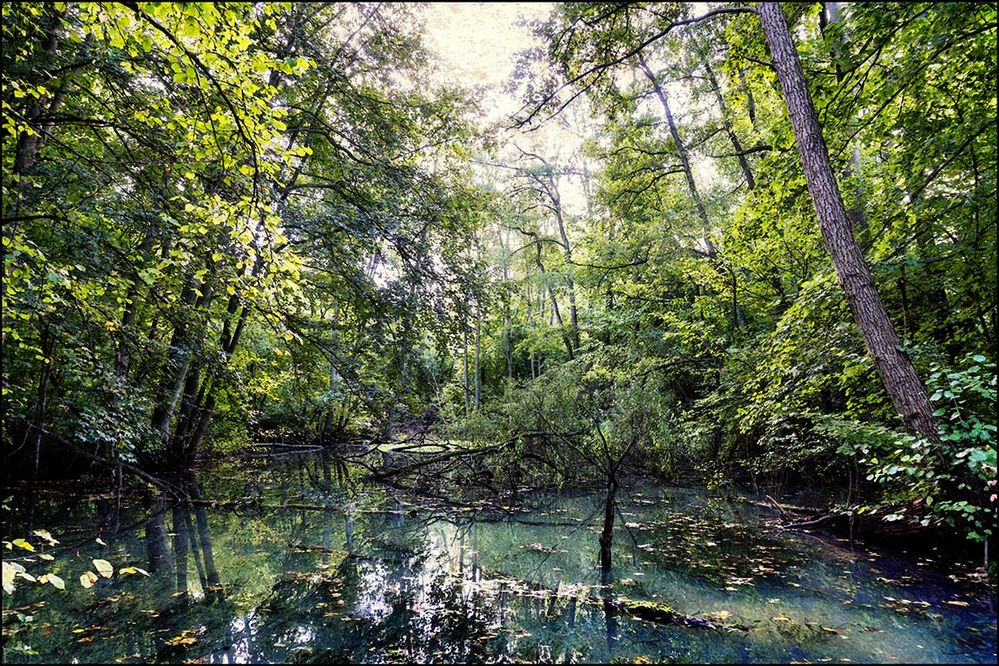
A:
[649,610]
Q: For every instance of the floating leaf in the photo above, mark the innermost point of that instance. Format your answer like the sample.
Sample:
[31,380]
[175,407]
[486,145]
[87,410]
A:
[181,640]
[44,534]
[954,602]
[21,543]
[88,578]
[56,581]
[132,570]
[100,541]
[8,577]
[104,568]
[46,557]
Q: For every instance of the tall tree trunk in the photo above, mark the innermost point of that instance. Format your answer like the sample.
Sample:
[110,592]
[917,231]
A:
[42,406]
[464,333]
[607,533]
[556,313]
[478,347]
[529,298]
[507,342]
[747,173]
[856,212]
[681,149]
[123,354]
[904,386]
[567,254]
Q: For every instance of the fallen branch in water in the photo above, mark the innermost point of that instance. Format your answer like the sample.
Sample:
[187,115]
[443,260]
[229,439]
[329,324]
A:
[175,491]
[663,614]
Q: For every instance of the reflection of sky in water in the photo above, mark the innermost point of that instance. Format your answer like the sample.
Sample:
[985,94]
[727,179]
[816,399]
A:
[439,586]
[239,653]
[371,603]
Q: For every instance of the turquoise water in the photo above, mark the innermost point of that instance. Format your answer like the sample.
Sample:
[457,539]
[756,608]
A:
[370,574]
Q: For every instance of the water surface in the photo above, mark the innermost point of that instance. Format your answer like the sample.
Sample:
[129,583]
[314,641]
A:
[382,576]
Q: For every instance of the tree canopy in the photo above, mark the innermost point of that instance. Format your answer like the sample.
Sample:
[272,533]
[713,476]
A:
[740,243]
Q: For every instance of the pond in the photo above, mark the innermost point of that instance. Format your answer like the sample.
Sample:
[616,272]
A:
[309,571]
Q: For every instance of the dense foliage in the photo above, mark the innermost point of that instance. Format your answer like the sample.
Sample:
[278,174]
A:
[226,221]
[221,217]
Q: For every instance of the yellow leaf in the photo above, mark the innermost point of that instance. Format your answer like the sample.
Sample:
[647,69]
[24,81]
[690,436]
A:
[88,578]
[949,601]
[104,568]
[181,640]
[132,570]
[46,556]
[21,543]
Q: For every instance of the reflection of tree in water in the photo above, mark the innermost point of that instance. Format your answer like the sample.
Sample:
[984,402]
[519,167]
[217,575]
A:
[409,587]
[191,540]
[200,611]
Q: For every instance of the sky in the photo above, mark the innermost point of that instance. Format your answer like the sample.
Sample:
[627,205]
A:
[478,43]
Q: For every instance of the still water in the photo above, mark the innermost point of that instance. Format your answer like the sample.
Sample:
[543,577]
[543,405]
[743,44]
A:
[381,576]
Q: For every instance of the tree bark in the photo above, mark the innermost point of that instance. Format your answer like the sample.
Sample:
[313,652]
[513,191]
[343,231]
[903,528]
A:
[478,347]
[903,385]
[567,254]
[607,533]
[747,172]
[464,331]
[507,342]
[856,212]
[556,313]
[681,149]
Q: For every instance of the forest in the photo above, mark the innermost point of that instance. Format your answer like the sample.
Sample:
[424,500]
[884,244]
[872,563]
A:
[578,332]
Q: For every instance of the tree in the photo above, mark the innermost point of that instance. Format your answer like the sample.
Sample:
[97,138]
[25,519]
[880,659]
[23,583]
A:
[904,386]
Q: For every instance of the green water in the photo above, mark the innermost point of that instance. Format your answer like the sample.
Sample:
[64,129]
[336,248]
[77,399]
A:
[381,576]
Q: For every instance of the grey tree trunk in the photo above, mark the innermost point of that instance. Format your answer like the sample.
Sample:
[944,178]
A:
[567,254]
[856,211]
[556,313]
[464,330]
[478,346]
[507,342]
[903,385]
[747,173]
[681,149]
